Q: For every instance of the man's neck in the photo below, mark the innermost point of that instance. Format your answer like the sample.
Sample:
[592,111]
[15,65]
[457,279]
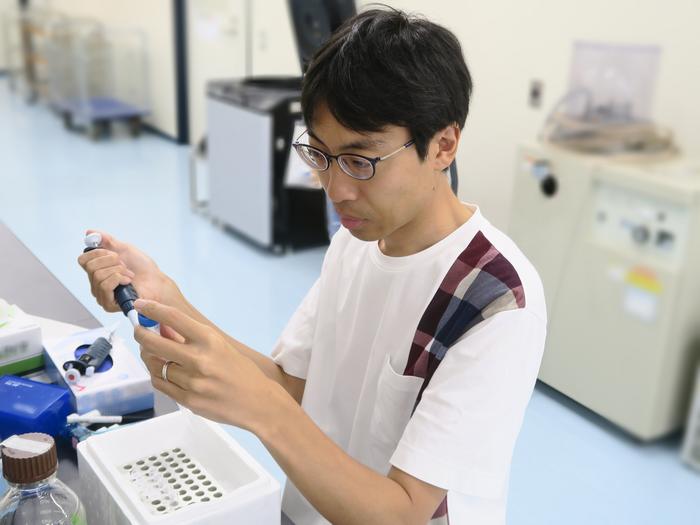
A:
[439,218]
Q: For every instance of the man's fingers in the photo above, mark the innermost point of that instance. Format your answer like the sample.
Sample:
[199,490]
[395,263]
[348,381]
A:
[108,284]
[86,257]
[109,305]
[167,331]
[155,367]
[176,374]
[100,259]
[162,348]
[167,315]
[171,390]
[153,362]
[105,273]
[109,242]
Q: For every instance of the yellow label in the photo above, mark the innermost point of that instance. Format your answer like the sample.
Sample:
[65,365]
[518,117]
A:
[644,279]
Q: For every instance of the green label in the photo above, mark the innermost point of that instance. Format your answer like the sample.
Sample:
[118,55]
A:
[78,519]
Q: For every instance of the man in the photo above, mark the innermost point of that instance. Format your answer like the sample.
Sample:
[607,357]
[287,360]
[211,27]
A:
[397,390]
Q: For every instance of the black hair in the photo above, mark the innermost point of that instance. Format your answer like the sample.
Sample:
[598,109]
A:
[385,67]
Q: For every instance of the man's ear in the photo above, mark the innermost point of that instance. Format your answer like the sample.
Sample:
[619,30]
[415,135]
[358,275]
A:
[443,147]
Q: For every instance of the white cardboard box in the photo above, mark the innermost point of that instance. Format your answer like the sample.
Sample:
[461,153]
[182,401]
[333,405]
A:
[20,341]
[124,388]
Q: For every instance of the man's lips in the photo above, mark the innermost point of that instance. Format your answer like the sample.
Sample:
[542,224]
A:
[349,221]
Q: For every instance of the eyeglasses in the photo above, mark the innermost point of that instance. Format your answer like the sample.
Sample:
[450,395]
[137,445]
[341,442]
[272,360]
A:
[357,166]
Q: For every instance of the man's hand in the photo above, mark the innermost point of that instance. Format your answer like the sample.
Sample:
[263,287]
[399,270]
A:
[116,263]
[207,373]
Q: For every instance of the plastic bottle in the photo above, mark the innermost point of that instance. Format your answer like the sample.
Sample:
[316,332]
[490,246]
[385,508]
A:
[36,496]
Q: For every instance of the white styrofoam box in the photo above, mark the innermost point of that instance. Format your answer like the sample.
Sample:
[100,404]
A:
[226,485]
[20,337]
[124,388]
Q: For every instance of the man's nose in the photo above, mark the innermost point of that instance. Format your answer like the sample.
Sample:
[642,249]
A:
[340,186]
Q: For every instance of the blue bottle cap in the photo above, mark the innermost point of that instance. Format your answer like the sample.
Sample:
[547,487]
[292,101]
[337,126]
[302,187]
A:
[145,321]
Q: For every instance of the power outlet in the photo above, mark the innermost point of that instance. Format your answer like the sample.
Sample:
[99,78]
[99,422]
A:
[535,94]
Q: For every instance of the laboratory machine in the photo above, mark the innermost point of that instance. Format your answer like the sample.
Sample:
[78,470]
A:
[255,187]
[616,241]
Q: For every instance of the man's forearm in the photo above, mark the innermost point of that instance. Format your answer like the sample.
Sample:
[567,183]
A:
[342,489]
[294,386]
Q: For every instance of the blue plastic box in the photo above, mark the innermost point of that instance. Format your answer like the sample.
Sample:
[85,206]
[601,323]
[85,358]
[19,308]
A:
[30,406]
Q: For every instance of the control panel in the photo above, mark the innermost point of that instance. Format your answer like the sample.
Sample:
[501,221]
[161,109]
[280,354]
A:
[630,220]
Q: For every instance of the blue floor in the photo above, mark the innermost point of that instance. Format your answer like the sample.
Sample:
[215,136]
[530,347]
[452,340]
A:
[570,467]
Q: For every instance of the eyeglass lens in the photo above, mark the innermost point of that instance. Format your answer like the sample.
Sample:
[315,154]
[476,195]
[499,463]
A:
[353,165]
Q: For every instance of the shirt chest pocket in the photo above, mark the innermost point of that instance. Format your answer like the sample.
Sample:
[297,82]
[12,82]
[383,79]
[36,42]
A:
[396,396]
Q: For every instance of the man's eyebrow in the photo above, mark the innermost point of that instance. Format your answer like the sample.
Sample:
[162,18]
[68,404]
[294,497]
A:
[313,136]
[357,144]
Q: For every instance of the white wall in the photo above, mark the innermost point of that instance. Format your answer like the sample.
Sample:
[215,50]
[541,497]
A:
[155,18]
[218,40]
[216,35]
[507,43]
[5,7]
[274,49]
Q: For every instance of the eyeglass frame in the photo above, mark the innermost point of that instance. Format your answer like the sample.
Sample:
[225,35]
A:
[372,160]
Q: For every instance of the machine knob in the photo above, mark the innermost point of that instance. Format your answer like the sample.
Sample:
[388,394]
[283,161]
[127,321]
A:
[549,185]
[640,234]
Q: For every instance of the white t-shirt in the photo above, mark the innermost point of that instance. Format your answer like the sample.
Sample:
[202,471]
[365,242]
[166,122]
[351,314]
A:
[468,314]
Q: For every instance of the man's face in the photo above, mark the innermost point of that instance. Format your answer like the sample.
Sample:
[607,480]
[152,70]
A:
[389,202]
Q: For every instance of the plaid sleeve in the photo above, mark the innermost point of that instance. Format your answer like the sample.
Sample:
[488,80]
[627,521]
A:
[471,333]
[462,433]
[293,348]
[479,284]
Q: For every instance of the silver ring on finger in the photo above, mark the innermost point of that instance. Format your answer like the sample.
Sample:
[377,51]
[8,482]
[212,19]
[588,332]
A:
[164,371]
